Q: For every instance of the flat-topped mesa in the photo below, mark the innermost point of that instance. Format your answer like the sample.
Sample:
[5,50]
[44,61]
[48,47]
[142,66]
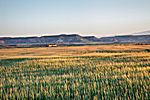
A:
[62,35]
[71,39]
[62,38]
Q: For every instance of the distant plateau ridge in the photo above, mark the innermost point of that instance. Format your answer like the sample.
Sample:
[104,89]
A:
[74,39]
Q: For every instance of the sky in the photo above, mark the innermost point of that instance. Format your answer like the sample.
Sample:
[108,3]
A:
[85,17]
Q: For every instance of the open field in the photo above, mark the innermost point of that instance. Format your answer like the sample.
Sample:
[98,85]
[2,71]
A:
[103,72]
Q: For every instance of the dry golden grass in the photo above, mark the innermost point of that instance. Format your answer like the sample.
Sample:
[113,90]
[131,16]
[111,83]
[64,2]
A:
[72,51]
[102,72]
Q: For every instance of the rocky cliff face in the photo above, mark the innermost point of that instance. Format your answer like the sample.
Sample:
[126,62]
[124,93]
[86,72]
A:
[74,39]
[127,39]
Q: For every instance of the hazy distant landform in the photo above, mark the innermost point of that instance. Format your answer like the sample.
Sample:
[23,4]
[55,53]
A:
[75,39]
[142,33]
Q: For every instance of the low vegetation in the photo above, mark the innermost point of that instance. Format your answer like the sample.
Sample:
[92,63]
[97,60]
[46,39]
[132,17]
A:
[86,72]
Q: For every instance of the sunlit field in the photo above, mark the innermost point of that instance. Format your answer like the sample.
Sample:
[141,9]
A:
[104,72]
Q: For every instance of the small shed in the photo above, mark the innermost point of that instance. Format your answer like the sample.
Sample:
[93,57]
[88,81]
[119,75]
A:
[52,45]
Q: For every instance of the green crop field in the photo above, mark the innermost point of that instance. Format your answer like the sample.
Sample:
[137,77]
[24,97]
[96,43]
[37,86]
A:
[107,72]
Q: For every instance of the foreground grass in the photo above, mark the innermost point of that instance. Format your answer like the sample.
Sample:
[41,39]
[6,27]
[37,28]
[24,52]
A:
[76,73]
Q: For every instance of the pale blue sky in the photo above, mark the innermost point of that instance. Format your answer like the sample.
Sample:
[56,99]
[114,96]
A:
[87,17]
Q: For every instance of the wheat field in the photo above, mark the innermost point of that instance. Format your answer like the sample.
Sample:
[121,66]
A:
[103,72]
